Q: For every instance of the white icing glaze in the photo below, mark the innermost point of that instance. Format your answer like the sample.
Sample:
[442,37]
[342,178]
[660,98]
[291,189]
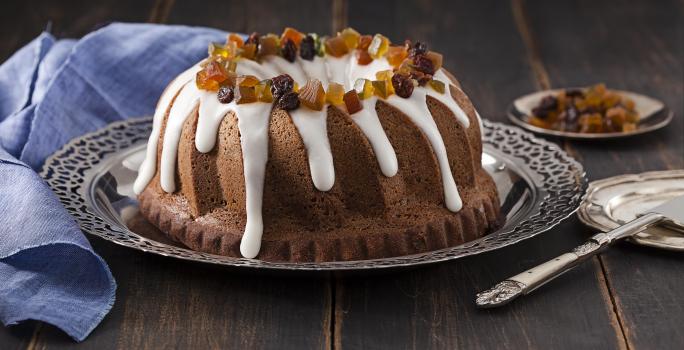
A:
[312,127]
[315,69]
[283,66]
[149,165]
[367,120]
[368,71]
[338,68]
[415,107]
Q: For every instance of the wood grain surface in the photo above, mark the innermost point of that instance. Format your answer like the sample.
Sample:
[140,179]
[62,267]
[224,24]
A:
[628,298]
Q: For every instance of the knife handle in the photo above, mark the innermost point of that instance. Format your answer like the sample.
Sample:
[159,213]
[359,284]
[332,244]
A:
[526,282]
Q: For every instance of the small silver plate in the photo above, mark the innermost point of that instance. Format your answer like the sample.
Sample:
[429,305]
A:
[653,115]
[614,201]
[539,185]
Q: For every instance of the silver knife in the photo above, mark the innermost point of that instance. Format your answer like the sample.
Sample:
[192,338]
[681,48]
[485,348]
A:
[671,212]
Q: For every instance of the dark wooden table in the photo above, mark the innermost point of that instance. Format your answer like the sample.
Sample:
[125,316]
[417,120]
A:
[629,297]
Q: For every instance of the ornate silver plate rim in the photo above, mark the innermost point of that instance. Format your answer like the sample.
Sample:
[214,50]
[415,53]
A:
[603,194]
[655,115]
[559,180]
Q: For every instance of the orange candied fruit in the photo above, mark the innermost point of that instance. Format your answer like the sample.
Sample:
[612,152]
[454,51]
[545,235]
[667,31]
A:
[352,102]
[364,42]
[232,37]
[268,45]
[293,34]
[334,94]
[211,76]
[396,55]
[249,51]
[312,95]
[336,46]
[363,58]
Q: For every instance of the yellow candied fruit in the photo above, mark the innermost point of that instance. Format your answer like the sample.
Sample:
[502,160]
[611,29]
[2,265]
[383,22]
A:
[263,91]
[211,76]
[378,46]
[249,51]
[336,46]
[312,95]
[384,75]
[627,127]
[237,39]
[247,80]
[350,37]
[217,50]
[245,94]
[268,45]
[383,88]
[292,34]
[364,88]
[436,59]
[437,85]
[334,94]
[396,55]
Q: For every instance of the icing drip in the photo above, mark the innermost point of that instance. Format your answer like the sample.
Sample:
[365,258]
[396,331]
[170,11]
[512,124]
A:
[448,100]
[184,104]
[312,128]
[337,68]
[367,120]
[284,66]
[415,107]
[315,69]
[149,165]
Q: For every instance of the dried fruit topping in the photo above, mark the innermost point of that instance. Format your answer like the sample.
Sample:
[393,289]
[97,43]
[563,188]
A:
[336,47]
[403,86]
[247,80]
[307,48]
[230,66]
[352,102]
[281,85]
[396,55]
[423,64]
[312,95]
[547,104]
[363,57]
[249,51]
[384,75]
[417,49]
[364,88]
[378,46]
[218,50]
[210,76]
[263,91]
[235,38]
[289,101]
[268,45]
[319,44]
[420,77]
[225,94]
[437,86]
[335,93]
[289,50]
[436,59]
[245,94]
[253,38]
[382,88]
[291,34]
[364,42]
[350,37]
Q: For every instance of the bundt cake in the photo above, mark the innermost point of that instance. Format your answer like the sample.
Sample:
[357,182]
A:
[303,148]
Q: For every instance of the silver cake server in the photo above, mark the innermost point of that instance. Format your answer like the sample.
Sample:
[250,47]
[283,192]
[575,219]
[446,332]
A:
[671,212]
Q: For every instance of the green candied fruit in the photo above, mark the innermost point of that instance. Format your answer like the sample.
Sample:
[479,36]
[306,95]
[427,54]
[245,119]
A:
[318,44]
[263,91]
[217,50]
[364,88]
[437,86]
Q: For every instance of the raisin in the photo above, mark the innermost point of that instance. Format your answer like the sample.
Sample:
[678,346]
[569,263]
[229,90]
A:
[417,49]
[421,77]
[289,50]
[403,86]
[225,94]
[547,104]
[289,101]
[574,93]
[281,85]
[423,64]
[307,49]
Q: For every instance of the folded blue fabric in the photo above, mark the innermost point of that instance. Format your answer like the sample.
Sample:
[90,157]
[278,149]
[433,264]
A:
[50,92]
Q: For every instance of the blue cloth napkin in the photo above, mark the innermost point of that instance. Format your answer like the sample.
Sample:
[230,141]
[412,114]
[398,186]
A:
[50,92]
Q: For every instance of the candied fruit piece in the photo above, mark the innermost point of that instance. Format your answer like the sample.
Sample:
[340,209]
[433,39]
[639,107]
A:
[288,101]
[249,51]
[289,50]
[217,50]
[350,37]
[363,57]
[231,78]
[312,95]
[405,67]
[352,102]
[263,90]
[292,34]
[237,39]
[281,85]
[336,47]
[319,44]
[396,55]
[225,94]
[546,105]
[364,42]
[364,88]
[230,66]
[335,93]
[424,65]
[205,83]
[384,75]
[420,77]
[403,85]
[628,103]
[268,45]
[627,127]
[247,80]
[416,49]
[437,85]
[210,76]
[245,94]
[378,46]
[382,88]
[591,123]
[307,48]
[436,59]
[539,122]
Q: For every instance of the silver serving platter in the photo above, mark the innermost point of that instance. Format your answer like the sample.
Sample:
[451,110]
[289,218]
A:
[539,185]
[614,201]
[653,115]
